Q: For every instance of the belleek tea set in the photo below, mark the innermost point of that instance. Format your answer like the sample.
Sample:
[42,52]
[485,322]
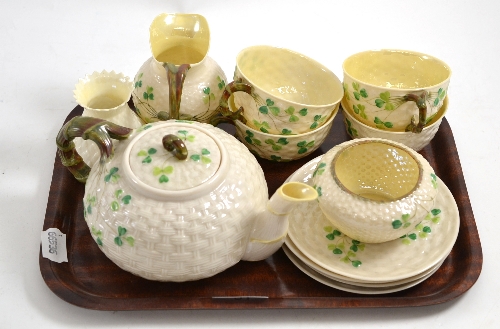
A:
[171,197]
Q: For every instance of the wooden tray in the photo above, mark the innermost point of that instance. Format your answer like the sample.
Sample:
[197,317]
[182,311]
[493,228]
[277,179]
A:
[92,281]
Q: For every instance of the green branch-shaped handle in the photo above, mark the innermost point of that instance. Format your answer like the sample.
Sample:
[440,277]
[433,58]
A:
[97,130]
[422,112]
[224,113]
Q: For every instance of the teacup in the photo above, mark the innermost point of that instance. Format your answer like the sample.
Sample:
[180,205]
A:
[290,93]
[395,90]
[357,129]
[282,148]
[375,190]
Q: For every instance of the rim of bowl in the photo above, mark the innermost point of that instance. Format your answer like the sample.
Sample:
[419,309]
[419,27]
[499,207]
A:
[334,76]
[330,119]
[401,51]
[436,120]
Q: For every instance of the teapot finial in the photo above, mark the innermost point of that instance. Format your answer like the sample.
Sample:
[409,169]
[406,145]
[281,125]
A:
[175,145]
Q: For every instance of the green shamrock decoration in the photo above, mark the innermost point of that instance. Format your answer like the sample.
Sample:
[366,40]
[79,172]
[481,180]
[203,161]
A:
[318,189]
[250,140]
[98,234]
[269,107]
[360,110]
[262,126]
[382,124]
[147,155]
[91,202]
[344,246]
[209,96]
[163,172]
[317,120]
[320,169]
[148,94]
[115,205]
[358,93]
[422,230]
[112,176]
[203,157]
[122,231]
[291,111]
[304,146]
[441,94]
[138,83]
[350,129]
[276,146]
[384,101]
[403,222]
[346,91]
[221,84]
[184,135]
[434,181]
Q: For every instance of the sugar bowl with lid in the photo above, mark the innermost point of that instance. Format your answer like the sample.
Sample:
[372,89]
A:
[177,200]
[374,190]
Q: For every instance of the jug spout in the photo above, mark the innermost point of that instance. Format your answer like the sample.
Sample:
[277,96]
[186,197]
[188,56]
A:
[178,41]
[271,226]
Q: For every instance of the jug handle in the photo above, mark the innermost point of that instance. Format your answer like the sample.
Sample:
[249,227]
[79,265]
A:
[415,127]
[98,130]
[224,114]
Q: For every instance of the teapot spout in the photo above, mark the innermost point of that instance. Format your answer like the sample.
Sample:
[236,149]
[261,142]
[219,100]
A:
[271,226]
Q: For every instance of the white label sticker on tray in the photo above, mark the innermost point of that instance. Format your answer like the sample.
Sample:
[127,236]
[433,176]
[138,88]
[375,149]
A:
[54,245]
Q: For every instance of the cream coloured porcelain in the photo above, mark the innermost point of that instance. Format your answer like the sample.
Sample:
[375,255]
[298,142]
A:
[358,289]
[395,90]
[290,93]
[178,200]
[375,190]
[179,45]
[357,129]
[104,95]
[283,148]
[424,247]
[360,283]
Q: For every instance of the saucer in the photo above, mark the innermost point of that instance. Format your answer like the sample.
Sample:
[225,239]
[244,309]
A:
[420,250]
[349,287]
[360,283]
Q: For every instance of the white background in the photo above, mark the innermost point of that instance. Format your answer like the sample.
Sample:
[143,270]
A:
[45,46]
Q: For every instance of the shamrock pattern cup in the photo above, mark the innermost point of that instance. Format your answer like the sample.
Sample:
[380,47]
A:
[395,90]
[290,93]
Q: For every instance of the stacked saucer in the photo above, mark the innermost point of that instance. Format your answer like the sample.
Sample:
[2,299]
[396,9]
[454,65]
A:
[325,254]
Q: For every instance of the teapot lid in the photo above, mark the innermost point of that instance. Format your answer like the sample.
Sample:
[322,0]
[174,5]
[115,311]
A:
[153,168]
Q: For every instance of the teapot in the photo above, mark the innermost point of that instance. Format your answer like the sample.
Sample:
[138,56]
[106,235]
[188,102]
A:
[179,70]
[177,200]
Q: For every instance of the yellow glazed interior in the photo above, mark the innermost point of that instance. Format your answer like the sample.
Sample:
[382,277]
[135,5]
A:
[289,75]
[377,171]
[103,91]
[396,69]
[179,38]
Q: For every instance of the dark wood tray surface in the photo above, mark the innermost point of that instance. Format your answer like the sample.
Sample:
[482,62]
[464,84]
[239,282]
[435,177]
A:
[92,281]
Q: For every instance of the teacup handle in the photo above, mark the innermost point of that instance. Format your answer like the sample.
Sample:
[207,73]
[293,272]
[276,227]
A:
[422,112]
[98,130]
[224,113]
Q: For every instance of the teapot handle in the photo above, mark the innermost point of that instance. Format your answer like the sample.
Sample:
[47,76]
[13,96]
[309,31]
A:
[224,114]
[415,127]
[98,130]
